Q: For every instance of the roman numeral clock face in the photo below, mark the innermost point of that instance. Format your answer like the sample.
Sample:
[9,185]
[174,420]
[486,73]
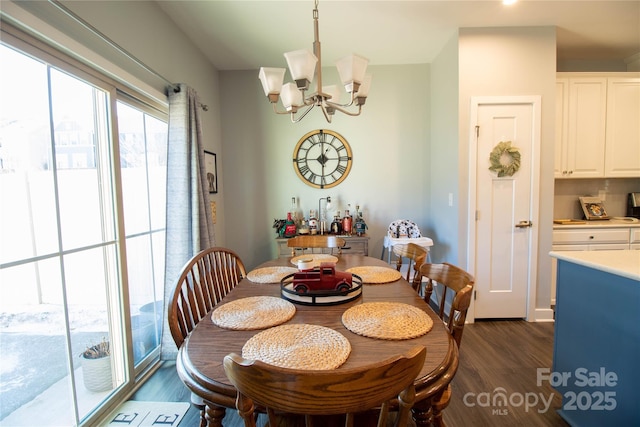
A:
[322,158]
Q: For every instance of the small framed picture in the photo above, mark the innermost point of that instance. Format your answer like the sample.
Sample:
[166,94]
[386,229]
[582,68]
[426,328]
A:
[593,208]
[212,171]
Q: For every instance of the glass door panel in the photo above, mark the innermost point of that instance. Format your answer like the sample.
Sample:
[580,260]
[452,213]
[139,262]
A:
[60,288]
[143,152]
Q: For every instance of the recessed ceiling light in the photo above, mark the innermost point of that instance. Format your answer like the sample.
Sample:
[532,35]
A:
[508,2]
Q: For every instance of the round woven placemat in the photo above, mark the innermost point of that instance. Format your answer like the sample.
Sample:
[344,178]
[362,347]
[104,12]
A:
[253,313]
[270,274]
[387,320]
[374,275]
[299,346]
[316,259]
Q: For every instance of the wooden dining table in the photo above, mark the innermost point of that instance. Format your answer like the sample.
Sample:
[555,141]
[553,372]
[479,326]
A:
[200,358]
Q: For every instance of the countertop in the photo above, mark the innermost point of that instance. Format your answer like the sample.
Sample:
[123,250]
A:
[625,263]
[607,223]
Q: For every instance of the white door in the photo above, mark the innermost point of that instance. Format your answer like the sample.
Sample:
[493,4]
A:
[503,253]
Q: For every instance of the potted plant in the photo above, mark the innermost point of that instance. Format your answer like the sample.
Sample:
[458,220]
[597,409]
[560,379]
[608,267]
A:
[96,367]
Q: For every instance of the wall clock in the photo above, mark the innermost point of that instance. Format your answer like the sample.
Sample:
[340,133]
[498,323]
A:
[322,158]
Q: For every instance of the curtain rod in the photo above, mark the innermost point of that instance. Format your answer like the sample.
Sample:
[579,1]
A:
[116,46]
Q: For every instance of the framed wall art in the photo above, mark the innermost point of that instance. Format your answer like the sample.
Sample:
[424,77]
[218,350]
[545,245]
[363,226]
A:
[212,171]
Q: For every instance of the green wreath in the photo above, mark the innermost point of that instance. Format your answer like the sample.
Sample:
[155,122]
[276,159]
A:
[505,159]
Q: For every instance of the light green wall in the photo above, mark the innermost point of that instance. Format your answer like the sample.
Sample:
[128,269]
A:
[444,180]
[390,174]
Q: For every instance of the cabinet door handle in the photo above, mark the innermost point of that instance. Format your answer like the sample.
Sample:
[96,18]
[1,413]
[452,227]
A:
[524,224]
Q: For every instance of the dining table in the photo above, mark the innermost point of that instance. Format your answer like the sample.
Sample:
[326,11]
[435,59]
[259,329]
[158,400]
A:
[200,359]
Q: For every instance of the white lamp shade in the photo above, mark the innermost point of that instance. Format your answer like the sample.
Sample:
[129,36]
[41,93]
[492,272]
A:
[302,64]
[334,91]
[291,96]
[271,79]
[363,92]
[352,68]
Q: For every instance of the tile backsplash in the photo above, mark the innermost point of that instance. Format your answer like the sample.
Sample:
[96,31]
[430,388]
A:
[612,191]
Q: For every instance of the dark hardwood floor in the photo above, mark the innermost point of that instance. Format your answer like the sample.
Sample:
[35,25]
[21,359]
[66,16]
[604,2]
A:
[503,357]
[497,359]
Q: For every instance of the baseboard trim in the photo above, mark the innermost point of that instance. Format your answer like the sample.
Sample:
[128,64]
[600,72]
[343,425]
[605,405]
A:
[544,315]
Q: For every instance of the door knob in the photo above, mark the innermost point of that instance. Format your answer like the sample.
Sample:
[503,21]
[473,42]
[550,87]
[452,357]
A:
[524,224]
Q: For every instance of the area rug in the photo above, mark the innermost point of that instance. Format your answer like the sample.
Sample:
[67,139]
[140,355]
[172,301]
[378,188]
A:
[138,413]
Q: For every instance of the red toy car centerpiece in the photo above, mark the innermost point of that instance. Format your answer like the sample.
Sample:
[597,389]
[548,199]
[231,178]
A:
[322,278]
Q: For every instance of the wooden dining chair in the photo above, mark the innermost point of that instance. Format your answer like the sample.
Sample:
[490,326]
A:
[331,392]
[304,243]
[417,255]
[205,279]
[457,290]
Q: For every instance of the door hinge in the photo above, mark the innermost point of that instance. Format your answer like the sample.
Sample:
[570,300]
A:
[477,131]
[475,294]
[477,215]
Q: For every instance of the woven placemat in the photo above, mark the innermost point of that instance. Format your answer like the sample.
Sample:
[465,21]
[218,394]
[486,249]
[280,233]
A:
[316,259]
[375,275]
[270,274]
[253,313]
[299,346]
[387,320]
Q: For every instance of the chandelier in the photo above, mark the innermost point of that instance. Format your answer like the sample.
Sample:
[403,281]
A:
[302,67]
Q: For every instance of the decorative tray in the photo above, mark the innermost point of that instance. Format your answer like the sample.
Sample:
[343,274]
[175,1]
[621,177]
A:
[320,297]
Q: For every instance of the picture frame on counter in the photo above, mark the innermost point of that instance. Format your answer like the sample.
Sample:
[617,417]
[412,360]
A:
[593,208]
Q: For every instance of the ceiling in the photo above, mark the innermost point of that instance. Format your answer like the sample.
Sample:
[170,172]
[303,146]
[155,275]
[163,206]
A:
[244,35]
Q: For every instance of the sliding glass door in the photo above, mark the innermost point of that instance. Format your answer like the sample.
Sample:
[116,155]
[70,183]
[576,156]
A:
[82,183]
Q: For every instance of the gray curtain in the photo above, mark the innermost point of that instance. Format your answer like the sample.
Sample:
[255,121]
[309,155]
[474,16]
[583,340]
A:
[189,220]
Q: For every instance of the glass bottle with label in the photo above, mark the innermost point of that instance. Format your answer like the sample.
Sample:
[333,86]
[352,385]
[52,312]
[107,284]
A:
[313,222]
[304,227]
[336,225]
[347,223]
[296,213]
[290,228]
[360,226]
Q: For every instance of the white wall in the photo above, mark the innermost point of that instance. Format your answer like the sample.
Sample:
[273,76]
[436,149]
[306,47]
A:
[514,61]
[390,174]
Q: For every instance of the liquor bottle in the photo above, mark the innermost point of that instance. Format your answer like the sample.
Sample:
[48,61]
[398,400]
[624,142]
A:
[336,225]
[360,225]
[296,213]
[347,223]
[313,222]
[289,227]
[304,227]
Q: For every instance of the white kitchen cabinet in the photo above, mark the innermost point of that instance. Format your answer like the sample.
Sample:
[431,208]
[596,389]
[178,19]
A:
[634,239]
[597,125]
[591,239]
[582,148]
[622,145]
